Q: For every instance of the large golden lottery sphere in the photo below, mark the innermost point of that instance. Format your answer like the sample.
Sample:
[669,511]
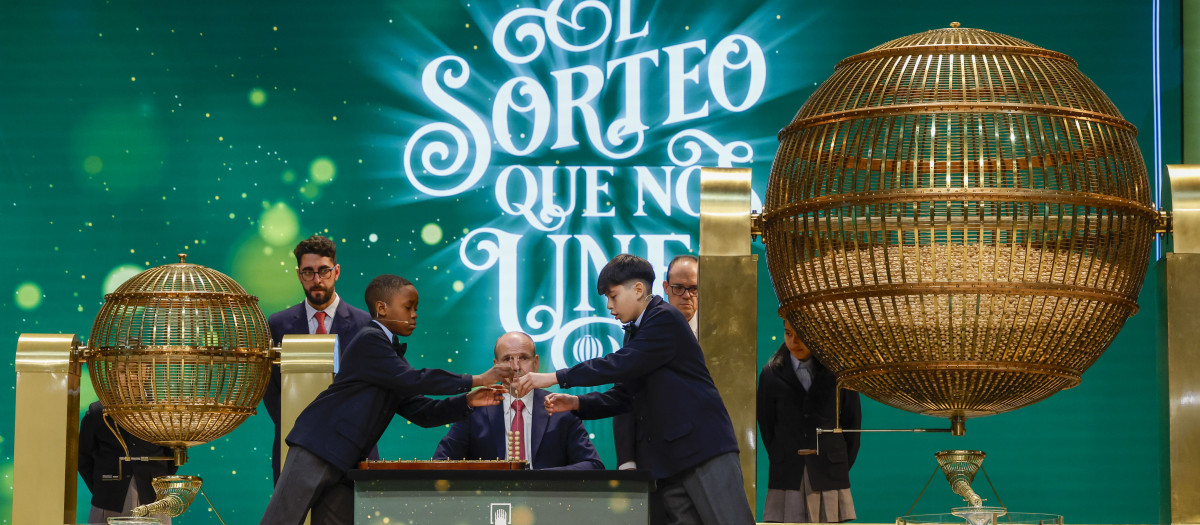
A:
[958,222]
[180,354]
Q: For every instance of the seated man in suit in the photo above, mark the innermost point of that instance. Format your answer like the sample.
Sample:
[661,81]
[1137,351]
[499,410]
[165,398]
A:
[345,421]
[552,442]
[321,312]
[684,435]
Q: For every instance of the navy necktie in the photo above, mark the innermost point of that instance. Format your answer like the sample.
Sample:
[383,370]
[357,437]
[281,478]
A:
[805,376]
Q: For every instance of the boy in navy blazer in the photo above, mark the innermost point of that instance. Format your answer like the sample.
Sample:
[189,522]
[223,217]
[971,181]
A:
[345,421]
[553,441]
[321,312]
[684,435]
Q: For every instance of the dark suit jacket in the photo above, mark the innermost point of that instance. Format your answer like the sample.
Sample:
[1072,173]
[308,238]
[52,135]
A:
[346,323]
[624,433]
[374,383]
[559,441]
[99,453]
[788,418]
[680,419]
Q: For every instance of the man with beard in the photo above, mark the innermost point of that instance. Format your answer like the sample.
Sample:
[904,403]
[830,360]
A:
[321,312]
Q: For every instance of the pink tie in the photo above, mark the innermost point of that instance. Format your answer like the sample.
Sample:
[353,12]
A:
[320,322]
[518,425]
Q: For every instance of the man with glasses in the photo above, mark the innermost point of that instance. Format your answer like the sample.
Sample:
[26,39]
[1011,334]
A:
[682,287]
[321,312]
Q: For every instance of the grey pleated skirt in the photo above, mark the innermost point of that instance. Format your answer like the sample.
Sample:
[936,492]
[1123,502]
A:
[807,506]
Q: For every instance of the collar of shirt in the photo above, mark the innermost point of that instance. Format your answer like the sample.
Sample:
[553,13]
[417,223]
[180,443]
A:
[391,337]
[638,322]
[509,400]
[330,312]
[796,363]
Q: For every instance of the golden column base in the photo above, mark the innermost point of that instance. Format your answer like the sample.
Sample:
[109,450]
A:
[728,306]
[46,437]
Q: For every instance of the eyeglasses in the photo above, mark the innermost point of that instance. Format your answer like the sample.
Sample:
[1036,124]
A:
[308,274]
[681,290]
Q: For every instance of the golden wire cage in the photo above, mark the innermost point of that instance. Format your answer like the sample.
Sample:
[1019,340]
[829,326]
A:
[958,222]
[180,354]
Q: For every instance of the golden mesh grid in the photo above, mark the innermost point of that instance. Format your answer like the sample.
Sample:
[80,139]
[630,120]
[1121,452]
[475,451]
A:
[180,354]
[958,222]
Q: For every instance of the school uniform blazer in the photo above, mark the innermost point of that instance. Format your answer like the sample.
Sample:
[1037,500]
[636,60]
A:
[559,441]
[99,453]
[374,383]
[347,321]
[788,418]
[661,378]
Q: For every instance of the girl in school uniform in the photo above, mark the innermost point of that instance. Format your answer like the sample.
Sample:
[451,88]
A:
[796,395]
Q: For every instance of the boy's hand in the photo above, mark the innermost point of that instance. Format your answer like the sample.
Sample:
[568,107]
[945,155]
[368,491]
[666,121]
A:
[501,373]
[522,385]
[556,403]
[486,396]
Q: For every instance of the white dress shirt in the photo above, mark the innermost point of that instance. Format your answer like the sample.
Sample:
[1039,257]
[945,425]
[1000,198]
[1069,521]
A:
[510,414]
[330,312]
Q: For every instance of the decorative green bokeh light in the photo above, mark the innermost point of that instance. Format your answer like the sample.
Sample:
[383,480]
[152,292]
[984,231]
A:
[310,191]
[431,234]
[28,295]
[87,392]
[93,165]
[267,273]
[279,224]
[457,286]
[120,149]
[258,97]
[117,276]
[322,170]
[288,176]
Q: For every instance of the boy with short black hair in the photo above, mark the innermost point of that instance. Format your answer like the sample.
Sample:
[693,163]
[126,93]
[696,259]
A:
[345,421]
[685,438]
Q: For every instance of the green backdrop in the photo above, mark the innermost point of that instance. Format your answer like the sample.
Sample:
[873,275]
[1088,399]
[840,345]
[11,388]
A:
[497,154]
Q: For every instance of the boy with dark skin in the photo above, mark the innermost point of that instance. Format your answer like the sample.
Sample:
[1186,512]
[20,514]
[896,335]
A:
[345,421]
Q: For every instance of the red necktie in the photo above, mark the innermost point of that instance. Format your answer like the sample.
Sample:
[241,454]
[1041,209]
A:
[320,322]
[518,425]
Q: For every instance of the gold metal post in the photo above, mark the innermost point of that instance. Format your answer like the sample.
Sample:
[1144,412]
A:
[729,285]
[1183,330]
[305,370]
[46,448]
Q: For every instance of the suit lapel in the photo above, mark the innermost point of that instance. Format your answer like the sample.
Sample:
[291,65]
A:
[495,419]
[654,302]
[540,419]
[300,320]
[341,319]
[788,375]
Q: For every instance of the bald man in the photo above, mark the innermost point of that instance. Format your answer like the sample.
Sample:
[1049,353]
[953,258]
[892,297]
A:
[682,287]
[550,442]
